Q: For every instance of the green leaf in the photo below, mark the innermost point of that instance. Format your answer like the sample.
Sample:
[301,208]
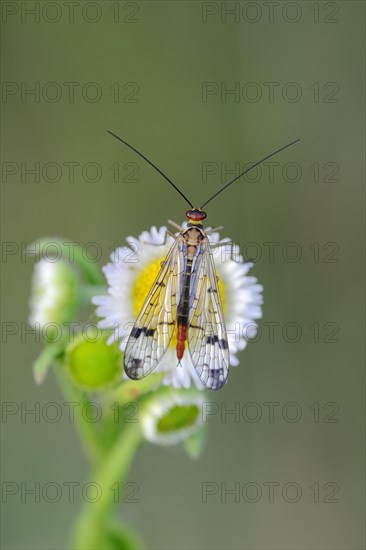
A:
[43,362]
[194,445]
[122,537]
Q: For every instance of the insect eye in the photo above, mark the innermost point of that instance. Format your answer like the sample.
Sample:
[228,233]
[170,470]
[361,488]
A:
[196,215]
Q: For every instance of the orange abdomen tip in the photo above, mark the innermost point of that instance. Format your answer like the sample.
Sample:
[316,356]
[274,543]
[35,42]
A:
[181,337]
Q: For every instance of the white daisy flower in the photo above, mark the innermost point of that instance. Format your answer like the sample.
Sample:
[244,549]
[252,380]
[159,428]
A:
[55,293]
[131,275]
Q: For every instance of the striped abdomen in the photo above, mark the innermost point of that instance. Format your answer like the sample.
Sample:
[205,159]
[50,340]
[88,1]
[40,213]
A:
[192,236]
[183,312]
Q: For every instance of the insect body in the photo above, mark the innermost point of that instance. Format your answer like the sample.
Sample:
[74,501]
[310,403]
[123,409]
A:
[184,301]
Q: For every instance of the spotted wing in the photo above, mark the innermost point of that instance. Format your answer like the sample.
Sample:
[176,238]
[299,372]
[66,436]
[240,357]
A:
[154,327]
[207,338]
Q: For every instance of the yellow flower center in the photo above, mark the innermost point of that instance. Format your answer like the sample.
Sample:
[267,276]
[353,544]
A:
[143,283]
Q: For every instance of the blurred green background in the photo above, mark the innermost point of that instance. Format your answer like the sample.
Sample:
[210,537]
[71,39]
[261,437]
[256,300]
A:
[151,64]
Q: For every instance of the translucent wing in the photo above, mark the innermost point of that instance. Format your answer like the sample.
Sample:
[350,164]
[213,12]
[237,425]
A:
[154,327]
[207,338]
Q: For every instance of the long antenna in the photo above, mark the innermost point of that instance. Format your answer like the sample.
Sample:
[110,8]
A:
[153,165]
[248,170]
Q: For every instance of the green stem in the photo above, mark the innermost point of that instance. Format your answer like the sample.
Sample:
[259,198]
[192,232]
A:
[92,526]
[89,437]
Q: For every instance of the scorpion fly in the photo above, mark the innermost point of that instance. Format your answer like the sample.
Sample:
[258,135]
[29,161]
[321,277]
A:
[185,300]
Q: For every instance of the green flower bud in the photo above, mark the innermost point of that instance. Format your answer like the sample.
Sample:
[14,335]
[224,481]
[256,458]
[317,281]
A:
[92,363]
[172,417]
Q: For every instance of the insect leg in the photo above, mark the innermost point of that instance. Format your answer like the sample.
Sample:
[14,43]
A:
[168,233]
[176,225]
[213,229]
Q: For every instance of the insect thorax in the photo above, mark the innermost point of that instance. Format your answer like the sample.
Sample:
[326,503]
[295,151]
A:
[193,234]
